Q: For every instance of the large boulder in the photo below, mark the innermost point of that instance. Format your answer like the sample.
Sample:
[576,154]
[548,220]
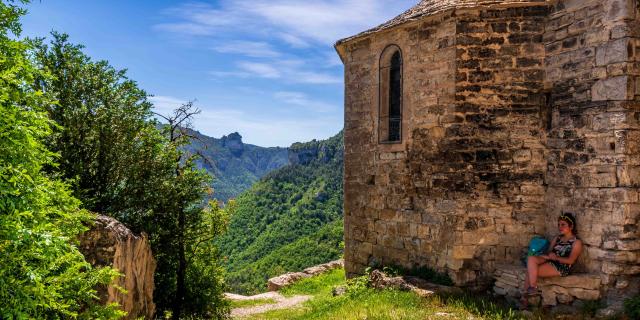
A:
[110,243]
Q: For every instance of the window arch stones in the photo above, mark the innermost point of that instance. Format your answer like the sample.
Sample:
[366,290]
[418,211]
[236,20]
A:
[390,95]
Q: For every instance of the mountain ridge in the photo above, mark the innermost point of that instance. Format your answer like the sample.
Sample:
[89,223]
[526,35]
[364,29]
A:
[235,165]
[289,220]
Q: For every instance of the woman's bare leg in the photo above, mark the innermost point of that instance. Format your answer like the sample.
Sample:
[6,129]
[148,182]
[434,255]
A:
[546,270]
[537,268]
[533,264]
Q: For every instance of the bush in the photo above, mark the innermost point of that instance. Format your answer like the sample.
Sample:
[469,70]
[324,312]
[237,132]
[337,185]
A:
[632,307]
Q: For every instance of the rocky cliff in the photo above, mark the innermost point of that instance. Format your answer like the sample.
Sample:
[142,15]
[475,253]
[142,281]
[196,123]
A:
[110,243]
[323,151]
[235,165]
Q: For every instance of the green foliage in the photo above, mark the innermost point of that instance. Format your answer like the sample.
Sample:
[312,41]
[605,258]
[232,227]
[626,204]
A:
[125,165]
[289,220]
[237,166]
[632,307]
[108,144]
[183,228]
[42,274]
[318,285]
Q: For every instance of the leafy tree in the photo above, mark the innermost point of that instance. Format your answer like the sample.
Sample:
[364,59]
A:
[109,145]
[193,270]
[126,165]
[42,273]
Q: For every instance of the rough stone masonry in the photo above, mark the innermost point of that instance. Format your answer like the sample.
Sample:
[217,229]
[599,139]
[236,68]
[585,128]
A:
[512,112]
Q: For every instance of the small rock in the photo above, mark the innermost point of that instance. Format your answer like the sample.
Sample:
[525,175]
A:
[339,290]
[606,313]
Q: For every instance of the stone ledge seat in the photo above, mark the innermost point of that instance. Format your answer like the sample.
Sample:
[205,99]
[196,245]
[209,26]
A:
[563,290]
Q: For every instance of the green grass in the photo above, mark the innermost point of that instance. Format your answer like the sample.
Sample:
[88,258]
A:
[361,302]
[250,303]
[316,286]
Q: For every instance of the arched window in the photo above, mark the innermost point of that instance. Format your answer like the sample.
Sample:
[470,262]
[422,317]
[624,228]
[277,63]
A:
[390,109]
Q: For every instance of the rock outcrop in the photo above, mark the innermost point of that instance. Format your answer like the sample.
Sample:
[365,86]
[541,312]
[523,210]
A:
[110,243]
[234,142]
[277,283]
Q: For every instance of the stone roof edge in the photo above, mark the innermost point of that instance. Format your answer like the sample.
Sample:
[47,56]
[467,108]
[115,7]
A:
[395,22]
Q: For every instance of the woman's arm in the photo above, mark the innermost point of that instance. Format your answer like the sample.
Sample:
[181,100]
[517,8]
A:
[575,253]
[553,244]
[549,251]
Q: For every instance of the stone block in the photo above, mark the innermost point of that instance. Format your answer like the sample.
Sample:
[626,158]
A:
[522,156]
[628,176]
[549,298]
[463,252]
[584,294]
[620,9]
[500,291]
[612,52]
[584,281]
[628,245]
[616,88]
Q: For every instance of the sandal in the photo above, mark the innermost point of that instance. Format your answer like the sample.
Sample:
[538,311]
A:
[532,291]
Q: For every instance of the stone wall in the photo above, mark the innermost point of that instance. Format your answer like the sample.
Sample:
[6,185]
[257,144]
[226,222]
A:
[382,221]
[510,116]
[110,243]
[592,145]
[496,168]
[466,183]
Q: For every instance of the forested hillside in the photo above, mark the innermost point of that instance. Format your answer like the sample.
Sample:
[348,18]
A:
[289,220]
[234,164]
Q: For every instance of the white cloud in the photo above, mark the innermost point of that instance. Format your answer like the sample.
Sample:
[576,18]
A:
[293,41]
[262,70]
[248,48]
[320,21]
[302,100]
[291,71]
[261,130]
[317,78]
[165,105]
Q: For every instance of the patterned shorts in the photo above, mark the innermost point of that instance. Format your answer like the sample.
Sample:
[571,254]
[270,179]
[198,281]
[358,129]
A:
[562,268]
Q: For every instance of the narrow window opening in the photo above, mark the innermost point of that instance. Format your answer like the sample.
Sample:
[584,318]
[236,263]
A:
[390,109]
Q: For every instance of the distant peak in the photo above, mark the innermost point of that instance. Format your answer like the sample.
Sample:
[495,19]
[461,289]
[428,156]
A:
[233,141]
[233,136]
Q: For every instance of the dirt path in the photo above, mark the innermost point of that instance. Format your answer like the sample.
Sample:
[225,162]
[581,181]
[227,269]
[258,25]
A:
[282,302]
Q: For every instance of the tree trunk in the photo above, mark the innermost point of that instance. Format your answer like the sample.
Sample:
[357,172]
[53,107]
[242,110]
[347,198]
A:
[182,269]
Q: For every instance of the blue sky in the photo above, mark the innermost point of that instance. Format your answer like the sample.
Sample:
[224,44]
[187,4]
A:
[264,68]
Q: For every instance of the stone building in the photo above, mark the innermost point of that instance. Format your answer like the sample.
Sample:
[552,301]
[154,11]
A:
[471,125]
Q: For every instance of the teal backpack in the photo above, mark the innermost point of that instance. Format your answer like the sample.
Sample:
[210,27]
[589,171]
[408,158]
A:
[537,246]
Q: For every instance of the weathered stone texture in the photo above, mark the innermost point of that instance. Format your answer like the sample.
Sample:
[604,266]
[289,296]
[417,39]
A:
[592,170]
[110,243]
[511,115]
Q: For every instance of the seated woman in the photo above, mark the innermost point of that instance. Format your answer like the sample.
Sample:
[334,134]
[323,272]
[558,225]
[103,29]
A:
[564,251]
